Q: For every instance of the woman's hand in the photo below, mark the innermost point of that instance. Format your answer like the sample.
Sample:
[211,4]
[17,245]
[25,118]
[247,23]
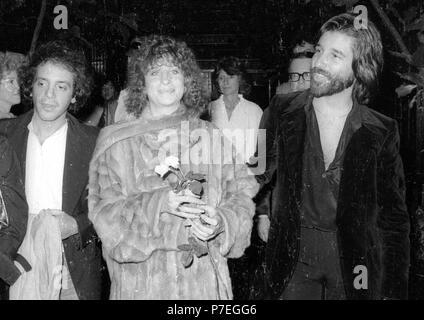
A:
[184,204]
[208,225]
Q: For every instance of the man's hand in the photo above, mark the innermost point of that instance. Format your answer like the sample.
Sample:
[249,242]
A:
[67,224]
[263,227]
[208,225]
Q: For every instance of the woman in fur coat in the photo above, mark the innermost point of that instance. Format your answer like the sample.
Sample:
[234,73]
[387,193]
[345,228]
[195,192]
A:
[169,200]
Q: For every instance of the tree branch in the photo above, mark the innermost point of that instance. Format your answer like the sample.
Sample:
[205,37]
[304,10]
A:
[390,26]
[38,26]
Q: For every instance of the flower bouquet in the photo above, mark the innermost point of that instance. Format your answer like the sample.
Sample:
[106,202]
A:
[193,182]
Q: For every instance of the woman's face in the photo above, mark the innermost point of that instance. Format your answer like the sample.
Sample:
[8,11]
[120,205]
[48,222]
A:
[228,84]
[9,88]
[108,91]
[164,85]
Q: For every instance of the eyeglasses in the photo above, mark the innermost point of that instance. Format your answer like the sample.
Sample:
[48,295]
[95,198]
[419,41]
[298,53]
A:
[294,76]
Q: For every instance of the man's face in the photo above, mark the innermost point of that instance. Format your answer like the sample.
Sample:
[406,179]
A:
[300,69]
[52,91]
[9,88]
[332,64]
[164,84]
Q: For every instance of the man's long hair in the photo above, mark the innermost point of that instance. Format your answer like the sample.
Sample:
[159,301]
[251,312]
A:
[367,48]
[71,58]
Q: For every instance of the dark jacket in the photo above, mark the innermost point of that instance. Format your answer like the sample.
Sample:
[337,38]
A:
[12,189]
[82,250]
[372,220]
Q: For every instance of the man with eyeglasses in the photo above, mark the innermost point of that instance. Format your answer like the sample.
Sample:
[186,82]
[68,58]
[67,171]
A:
[9,85]
[299,79]
[299,75]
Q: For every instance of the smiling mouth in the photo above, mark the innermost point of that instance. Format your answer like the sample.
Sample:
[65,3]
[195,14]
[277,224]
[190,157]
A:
[319,76]
[166,91]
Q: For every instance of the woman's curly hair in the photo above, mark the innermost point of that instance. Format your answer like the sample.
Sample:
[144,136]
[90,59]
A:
[233,66]
[153,49]
[10,61]
[61,53]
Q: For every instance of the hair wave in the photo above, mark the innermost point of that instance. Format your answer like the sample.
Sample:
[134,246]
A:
[233,66]
[368,60]
[61,53]
[152,49]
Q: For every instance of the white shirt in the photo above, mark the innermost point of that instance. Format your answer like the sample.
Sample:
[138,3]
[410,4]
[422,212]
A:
[44,170]
[244,119]
[44,177]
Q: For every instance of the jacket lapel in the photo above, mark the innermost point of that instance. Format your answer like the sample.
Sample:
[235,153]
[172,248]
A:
[362,147]
[293,127]
[19,140]
[77,159]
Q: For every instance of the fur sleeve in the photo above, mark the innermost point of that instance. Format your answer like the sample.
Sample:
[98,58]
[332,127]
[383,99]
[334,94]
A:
[126,211]
[236,209]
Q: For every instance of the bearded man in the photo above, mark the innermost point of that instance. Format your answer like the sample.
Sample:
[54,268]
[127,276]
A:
[339,227]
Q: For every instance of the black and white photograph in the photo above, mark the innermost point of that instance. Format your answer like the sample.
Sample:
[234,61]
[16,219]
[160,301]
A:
[204,150]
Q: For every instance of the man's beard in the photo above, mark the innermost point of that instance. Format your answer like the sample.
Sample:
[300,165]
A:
[333,84]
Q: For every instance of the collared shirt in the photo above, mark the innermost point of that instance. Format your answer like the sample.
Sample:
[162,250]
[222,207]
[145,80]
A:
[244,119]
[44,170]
[44,176]
[321,187]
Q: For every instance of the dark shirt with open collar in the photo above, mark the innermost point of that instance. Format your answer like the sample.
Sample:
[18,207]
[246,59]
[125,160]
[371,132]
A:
[320,188]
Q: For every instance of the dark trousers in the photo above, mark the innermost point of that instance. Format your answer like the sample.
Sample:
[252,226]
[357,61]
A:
[317,275]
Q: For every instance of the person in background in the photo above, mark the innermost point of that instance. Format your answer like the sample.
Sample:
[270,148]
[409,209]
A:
[104,115]
[238,118]
[299,79]
[232,112]
[121,113]
[10,62]
[299,70]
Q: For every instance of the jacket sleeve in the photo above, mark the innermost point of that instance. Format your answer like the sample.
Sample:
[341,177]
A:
[268,123]
[236,208]
[12,189]
[86,232]
[393,220]
[125,211]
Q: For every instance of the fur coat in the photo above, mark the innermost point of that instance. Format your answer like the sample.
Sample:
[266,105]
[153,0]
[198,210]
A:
[141,244]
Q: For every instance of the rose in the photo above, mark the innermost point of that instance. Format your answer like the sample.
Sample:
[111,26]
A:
[161,170]
[172,161]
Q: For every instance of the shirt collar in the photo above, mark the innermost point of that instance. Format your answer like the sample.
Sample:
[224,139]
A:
[59,131]
[354,116]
